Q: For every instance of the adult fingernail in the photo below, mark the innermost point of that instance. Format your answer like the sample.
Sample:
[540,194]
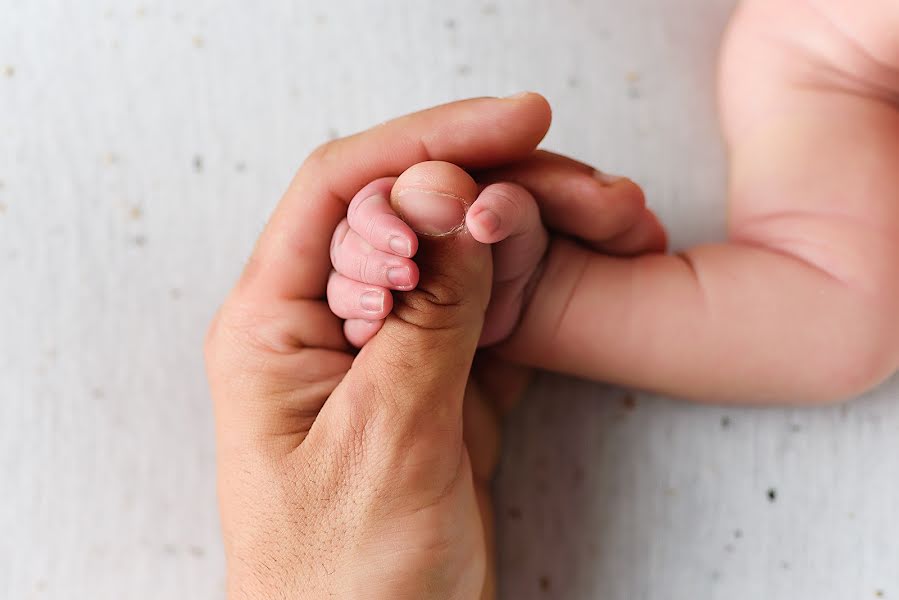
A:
[400,245]
[372,301]
[399,276]
[607,179]
[431,213]
[487,220]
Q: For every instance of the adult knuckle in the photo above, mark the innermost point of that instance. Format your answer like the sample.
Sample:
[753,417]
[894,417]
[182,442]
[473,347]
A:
[435,304]
[253,331]
[321,155]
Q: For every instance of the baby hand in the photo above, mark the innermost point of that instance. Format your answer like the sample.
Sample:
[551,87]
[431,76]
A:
[372,249]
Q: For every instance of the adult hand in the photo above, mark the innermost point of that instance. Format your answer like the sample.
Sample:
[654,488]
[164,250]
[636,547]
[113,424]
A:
[349,476]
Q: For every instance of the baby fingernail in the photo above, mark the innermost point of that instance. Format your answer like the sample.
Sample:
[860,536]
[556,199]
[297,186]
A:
[399,276]
[400,246]
[605,178]
[431,213]
[488,220]
[372,301]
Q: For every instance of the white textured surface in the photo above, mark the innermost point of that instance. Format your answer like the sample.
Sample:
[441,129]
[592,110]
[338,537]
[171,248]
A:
[142,146]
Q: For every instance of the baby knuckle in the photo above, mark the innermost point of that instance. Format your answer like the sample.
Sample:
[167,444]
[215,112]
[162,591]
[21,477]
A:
[375,226]
[337,240]
[363,268]
[508,194]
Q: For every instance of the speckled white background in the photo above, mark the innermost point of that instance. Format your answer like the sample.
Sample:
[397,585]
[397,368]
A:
[143,144]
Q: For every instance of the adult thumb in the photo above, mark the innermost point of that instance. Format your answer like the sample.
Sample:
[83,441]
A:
[416,368]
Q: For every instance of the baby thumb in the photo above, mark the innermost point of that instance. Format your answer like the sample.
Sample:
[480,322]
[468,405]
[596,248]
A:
[421,358]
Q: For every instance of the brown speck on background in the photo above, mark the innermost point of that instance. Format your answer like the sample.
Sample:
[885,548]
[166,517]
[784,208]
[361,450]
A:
[240,166]
[772,495]
[110,158]
[198,163]
[795,427]
[629,401]
[198,41]
[573,82]
[169,549]
[784,565]
[197,551]
[725,422]
[579,475]
[141,11]
[633,89]
[98,393]
[450,23]
[545,583]
[738,533]
[321,19]
[729,548]
[488,9]
[2,208]
[880,594]
[513,512]
[135,213]
[140,241]
[9,71]
[175,293]
[463,70]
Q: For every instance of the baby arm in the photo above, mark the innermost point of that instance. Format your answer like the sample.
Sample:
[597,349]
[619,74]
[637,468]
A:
[802,302]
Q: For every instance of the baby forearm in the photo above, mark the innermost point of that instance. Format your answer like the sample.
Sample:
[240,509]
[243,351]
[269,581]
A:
[727,322]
